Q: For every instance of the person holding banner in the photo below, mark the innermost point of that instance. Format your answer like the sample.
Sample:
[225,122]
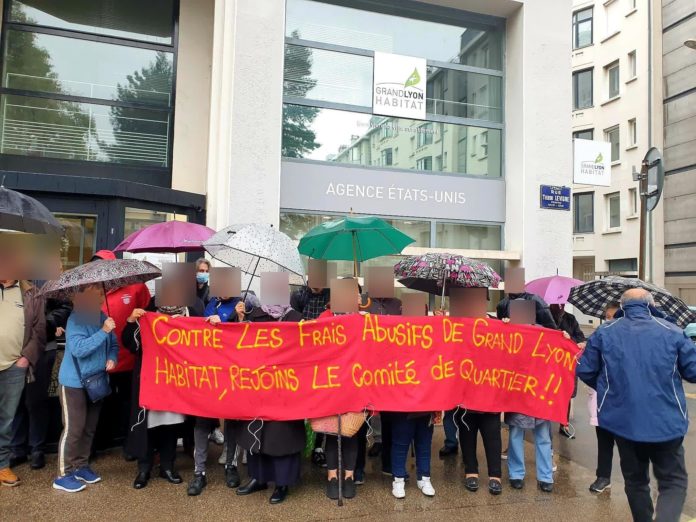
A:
[274,447]
[152,430]
[219,310]
[407,428]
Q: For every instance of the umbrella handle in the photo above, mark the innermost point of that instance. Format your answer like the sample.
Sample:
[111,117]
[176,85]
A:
[340,465]
[106,300]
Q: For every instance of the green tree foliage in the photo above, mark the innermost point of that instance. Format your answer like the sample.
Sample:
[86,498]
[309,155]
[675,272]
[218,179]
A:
[298,136]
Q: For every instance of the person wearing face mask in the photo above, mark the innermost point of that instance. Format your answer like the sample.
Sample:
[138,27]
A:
[202,280]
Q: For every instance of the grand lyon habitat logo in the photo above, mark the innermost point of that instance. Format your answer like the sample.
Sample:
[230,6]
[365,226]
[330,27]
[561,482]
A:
[593,168]
[405,96]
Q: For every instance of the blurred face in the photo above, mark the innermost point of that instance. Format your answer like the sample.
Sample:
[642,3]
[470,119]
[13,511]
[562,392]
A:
[609,313]
[203,268]
[90,298]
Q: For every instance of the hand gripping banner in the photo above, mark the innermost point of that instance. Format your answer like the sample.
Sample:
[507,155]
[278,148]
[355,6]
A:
[284,371]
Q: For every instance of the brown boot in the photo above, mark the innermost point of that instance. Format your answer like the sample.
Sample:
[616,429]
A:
[8,478]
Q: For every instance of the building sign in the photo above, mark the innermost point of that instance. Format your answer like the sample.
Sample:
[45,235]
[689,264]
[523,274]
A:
[553,197]
[322,188]
[592,162]
[399,86]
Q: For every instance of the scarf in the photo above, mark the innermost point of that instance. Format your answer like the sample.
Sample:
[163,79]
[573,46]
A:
[276,311]
[173,310]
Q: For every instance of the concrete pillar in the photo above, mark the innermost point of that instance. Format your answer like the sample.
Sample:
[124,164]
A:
[246,112]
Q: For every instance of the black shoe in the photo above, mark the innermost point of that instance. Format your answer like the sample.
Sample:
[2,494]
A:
[141,480]
[349,488]
[546,487]
[567,431]
[17,461]
[600,485]
[232,477]
[197,485]
[279,494]
[447,451]
[319,459]
[251,487]
[472,484]
[495,487]
[516,483]
[375,450]
[38,460]
[332,489]
[171,476]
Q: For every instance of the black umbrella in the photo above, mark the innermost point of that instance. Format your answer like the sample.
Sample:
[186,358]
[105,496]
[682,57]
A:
[24,214]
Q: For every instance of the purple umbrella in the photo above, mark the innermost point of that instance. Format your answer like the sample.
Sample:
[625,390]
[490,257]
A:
[553,289]
[170,236]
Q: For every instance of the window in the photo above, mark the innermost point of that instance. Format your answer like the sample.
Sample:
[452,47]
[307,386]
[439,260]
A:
[475,237]
[425,134]
[463,94]
[80,239]
[76,86]
[613,210]
[476,42]
[632,133]
[613,15]
[613,79]
[582,28]
[623,265]
[583,213]
[484,143]
[587,134]
[582,89]
[632,67]
[425,163]
[387,157]
[633,201]
[612,136]
[438,163]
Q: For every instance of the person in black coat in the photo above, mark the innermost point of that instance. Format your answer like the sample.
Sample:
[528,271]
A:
[543,314]
[32,420]
[274,447]
[151,430]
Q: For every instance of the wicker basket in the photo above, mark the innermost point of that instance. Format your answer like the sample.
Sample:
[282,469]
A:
[350,424]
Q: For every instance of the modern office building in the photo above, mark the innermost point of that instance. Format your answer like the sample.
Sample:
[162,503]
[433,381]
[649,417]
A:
[676,130]
[230,111]
[611,102]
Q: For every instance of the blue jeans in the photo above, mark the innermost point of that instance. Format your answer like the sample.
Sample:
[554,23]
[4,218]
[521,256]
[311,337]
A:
[11,386]
[405,430]
[450,430]
[542,445]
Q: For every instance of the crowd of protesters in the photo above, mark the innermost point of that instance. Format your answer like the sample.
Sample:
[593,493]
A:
[634,364]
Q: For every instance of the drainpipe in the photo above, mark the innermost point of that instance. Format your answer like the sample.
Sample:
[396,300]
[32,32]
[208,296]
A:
[650,131]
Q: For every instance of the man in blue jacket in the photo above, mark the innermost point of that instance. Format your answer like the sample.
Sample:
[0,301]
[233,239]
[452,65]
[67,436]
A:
[636,364]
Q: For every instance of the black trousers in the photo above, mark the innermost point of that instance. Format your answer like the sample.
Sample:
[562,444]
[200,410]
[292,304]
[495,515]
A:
[349,448]
[489,426]
[361,459]
[34,413]
[387,419]
[162,439]
[605,452]
[669,469]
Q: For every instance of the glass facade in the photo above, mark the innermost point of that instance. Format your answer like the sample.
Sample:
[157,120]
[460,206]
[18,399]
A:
[377,141]
[68,94]
[327,88]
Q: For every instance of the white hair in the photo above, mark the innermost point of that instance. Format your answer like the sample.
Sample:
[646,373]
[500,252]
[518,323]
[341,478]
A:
[645,297]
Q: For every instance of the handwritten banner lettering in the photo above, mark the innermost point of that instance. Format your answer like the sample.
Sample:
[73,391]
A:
[284,371]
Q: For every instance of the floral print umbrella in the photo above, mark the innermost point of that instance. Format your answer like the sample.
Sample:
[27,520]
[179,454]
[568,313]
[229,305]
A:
[435,273]
[110,273]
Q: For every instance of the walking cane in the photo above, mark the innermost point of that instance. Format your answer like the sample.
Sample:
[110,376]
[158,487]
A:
[340,465]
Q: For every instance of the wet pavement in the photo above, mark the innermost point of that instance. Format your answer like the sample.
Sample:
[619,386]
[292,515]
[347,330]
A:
[115,499]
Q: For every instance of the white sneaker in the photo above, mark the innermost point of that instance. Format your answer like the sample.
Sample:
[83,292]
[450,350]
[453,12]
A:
[223,456]
[217,437]
[399,488]
[426,487]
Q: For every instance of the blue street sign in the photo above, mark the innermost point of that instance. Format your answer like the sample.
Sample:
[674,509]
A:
[556,198]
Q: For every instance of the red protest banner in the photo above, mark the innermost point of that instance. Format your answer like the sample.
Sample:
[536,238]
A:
[284,371]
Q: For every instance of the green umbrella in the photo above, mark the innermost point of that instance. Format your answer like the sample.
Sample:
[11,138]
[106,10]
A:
[353,238]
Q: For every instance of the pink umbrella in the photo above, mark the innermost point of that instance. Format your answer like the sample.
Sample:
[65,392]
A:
[170,236]
[553,289]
